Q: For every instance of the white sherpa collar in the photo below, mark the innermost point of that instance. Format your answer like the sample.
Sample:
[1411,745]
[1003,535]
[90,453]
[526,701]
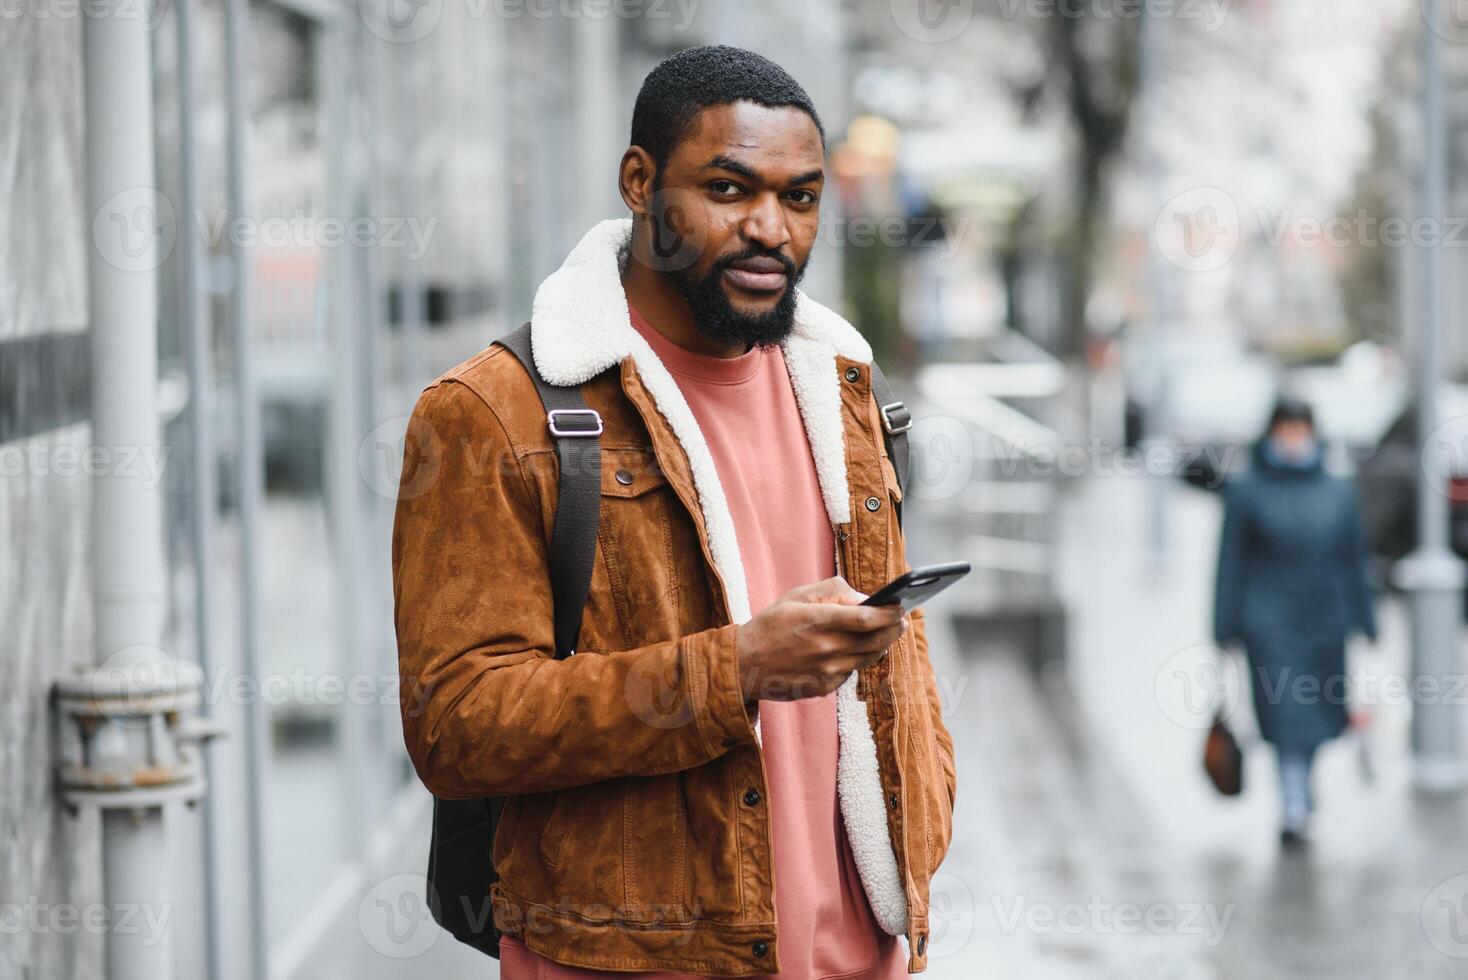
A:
[581,328]
[581,322]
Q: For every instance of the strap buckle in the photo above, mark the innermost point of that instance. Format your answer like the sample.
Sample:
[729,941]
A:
[902,423]
[574,422]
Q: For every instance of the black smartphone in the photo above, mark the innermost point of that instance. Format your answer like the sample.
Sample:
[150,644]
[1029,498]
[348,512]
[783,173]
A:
[916,586]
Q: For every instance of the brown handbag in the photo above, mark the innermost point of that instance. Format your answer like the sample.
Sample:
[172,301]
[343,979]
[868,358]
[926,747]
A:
[1223,760]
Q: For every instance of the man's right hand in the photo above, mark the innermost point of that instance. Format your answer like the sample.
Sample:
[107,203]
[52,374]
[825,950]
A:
[808,642]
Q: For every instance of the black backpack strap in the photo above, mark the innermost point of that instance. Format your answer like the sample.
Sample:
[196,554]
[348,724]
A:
[577,432]
[461,852]
[896,420]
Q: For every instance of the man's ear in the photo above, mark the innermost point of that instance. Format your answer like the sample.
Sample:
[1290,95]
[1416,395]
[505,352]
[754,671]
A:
[635,178]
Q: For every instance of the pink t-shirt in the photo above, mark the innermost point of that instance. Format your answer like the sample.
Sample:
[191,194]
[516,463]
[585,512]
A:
[746,409]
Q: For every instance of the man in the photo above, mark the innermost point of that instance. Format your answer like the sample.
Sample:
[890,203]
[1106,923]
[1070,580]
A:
[741,771]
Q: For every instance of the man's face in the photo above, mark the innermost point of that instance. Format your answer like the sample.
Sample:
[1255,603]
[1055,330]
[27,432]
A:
[743,190]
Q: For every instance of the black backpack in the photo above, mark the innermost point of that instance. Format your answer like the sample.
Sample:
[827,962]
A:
[461,852]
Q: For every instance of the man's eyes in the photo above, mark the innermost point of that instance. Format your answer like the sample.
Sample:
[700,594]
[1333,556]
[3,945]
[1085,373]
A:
[729,189]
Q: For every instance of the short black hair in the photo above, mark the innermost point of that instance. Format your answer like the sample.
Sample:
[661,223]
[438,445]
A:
[1291,409]
[679,88]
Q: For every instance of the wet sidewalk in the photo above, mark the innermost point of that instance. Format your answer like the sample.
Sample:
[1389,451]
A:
[1089,843]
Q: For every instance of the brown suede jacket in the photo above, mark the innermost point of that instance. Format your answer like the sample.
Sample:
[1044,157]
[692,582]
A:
[631,840]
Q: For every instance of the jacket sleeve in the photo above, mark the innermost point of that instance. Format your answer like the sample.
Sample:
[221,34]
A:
[487,710]
[1229,584]
[1357,568]
[942,817]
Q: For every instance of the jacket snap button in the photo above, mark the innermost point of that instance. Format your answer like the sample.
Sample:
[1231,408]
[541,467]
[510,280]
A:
[751,798]
[624,477]
[922,944]
[852,374]
[893,800]
[761,948]
[873,503]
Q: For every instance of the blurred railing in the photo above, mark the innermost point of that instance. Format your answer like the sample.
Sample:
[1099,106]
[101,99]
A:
[993,474]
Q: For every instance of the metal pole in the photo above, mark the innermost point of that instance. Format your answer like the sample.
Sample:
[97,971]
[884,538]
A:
[345,504]
[127,510]
[1432,575]
[249,472]
[196,324]
[1157,431]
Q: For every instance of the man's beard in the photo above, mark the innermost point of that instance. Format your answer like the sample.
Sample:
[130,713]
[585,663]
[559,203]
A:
[716,318]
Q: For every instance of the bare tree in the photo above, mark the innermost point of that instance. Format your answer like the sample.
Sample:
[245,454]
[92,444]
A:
[1095,66]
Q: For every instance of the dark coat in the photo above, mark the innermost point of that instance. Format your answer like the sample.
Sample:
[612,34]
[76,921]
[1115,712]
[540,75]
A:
[1292,586]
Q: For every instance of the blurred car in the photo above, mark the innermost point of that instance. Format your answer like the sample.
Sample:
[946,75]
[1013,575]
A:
[1388,477]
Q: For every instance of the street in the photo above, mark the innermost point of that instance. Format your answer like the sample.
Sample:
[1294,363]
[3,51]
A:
[1089,843]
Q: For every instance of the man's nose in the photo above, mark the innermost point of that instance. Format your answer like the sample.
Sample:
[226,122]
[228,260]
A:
[765,225]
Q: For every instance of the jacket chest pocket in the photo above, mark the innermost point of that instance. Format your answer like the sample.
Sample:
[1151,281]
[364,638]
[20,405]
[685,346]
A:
[636,541]
[891,504]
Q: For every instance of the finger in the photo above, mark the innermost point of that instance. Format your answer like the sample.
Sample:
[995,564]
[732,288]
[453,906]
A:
[876,641]
[854,619]
[861,645]
[834,590]
[857,661]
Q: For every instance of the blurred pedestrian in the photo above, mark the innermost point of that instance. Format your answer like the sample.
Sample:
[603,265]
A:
[1291,588]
